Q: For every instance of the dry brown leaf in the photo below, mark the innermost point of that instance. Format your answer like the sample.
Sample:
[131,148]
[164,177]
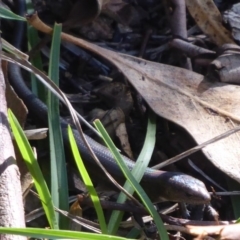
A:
[36,134]
[75,210]
[205,109]
[231,17]
[226,67]
[223,232]
[209,20]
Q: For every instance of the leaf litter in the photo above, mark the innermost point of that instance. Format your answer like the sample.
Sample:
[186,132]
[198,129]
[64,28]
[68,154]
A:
[203,107]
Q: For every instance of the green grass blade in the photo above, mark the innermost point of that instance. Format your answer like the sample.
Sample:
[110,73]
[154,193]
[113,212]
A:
[11,49]
[87,180]
[8,14]
[138,171]
[33,168]
[139,190]
[53,234]
[59,182]
[234,186]
[134,233]
[37,88]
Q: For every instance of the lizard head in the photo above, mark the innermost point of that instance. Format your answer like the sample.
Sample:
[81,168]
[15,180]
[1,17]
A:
[179,187]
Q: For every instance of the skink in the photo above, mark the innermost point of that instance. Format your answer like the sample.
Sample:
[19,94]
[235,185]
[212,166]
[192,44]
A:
[159,185]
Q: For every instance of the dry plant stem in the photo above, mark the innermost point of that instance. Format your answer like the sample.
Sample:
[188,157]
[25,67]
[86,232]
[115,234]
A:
[205,175]
[188,48]
[175,224]
[179,25]
[186,230]
[195,149]
[183,222]
[83,200]
[145,41]
[92,226]
[195,229]
[11,205]
[95,227]
[109,205]
[232,193]
[178,20]
[223,231]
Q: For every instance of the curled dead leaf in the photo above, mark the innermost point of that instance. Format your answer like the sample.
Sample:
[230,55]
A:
[231,17]
[226,66]
[209,20]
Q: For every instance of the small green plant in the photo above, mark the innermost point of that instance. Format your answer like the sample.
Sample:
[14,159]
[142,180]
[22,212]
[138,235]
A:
[34,169]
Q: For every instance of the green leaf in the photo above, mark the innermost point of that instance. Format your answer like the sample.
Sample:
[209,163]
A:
[138,171]
[8,14]
[234,186]
[37,88]
[52,233]
[34,169]
[11,49]
[87,181]
[59,182]
[139,190]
